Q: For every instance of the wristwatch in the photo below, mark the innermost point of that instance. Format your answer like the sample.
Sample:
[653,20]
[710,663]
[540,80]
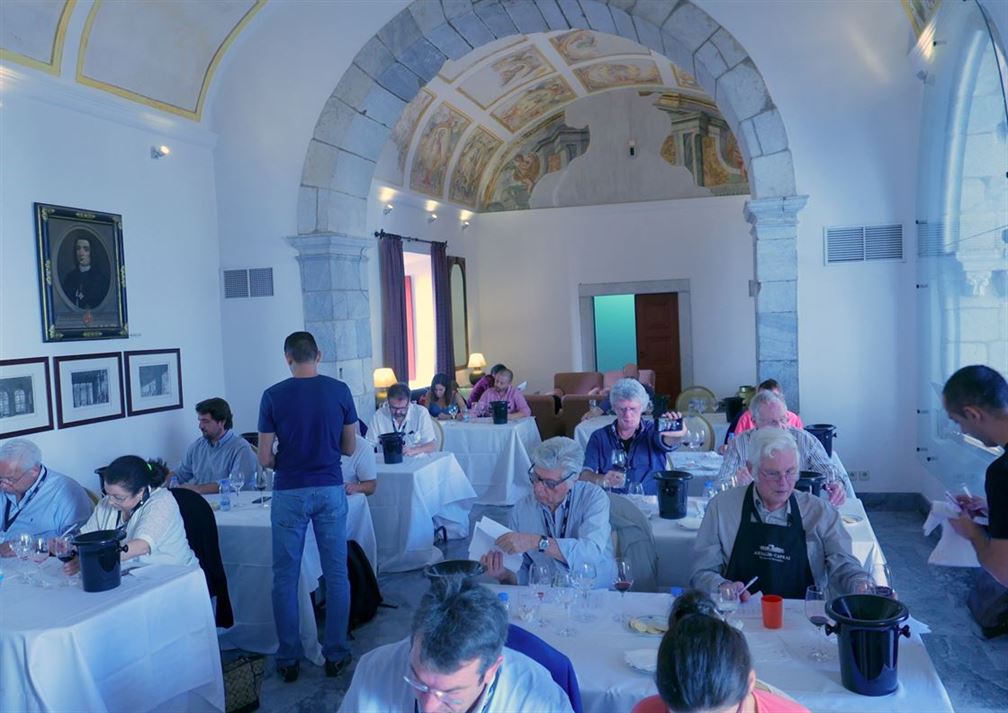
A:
[543,543]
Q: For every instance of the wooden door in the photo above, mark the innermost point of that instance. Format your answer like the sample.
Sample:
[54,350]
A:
[657,318]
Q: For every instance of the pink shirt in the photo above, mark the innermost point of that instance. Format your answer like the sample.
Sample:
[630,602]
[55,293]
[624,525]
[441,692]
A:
[766,702]
[515,400]
[479,388]
[746,423]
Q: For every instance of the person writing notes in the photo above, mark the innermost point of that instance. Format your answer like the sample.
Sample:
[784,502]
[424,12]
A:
[399,415]
[502,390]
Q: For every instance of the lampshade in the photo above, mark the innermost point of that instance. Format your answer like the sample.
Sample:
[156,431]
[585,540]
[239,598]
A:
[384,377]
[476,361]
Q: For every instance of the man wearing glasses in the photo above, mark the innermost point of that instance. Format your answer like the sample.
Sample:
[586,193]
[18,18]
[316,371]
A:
[789,539]
[399,415]
[563,522]
[449,668]
[35,500]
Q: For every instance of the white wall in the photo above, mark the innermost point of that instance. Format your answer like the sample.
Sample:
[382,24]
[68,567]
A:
[75,147]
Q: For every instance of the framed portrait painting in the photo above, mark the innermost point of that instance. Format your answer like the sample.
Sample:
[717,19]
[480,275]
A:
[153,381]
[82,276]
[25,401]
[88,388]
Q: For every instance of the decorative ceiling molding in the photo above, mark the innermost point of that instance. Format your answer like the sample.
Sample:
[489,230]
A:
[52,65]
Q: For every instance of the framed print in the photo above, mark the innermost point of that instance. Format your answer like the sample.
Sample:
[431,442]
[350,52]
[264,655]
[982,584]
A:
[88,388]
[153,381]
[82,276]
[25,401]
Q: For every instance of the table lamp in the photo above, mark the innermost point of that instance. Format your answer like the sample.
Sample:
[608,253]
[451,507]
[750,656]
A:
[476,363]
[384,377]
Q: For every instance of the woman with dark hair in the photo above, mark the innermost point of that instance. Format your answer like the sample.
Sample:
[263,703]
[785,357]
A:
[704,665]
[443,392]
[135,499]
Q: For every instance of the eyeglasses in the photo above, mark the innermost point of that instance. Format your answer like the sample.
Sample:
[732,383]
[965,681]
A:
[778,476]
[118,498]
[549,484]
[447,698]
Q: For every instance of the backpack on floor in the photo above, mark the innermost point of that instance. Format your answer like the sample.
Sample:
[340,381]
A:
[365,597]
[988,603]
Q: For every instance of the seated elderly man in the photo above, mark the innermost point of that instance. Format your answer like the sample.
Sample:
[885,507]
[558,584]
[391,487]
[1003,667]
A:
[562,523]
[746,422]
[502,390]
[360,470]
[788,538]
[769,411]
[36,501]
[399,415]
[630,371]
[453,660]
[643,447]
[218,453]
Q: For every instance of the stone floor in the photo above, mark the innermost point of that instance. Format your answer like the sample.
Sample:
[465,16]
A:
[974,670]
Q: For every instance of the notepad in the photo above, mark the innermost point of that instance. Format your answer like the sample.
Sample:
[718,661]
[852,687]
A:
[484,536]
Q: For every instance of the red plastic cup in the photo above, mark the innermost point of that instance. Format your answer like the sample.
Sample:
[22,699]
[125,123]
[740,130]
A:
[773,611]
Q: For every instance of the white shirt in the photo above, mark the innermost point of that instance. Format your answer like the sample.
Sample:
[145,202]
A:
[158,523]
[417,421]
[522,685]
[362,465]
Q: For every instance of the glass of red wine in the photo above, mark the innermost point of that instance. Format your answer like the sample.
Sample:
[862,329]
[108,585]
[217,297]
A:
[815,610]
[622,583]
[60,548]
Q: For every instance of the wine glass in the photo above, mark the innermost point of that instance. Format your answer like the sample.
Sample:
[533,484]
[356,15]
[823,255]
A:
[453,411]
[622,583]
[237,482]
[565,592]
[886,590]
[61,549]
[23,546]
[262,483]
[39,551]
[815,610]
[863,584]
[584,576]
[592,404]
[539,582]
[617,462]
[726,599]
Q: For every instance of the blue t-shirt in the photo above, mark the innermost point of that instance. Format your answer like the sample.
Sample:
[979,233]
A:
[645,456]
[307,415]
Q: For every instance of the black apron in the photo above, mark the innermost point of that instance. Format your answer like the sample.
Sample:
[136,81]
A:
[777,554]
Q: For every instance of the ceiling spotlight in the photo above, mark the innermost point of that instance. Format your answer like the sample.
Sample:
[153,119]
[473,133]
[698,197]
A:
[465,224]
[387,209]
[159,151]
[432,217]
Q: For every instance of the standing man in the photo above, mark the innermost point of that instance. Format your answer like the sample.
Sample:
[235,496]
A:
[976,398]
[313,420]
[218,453]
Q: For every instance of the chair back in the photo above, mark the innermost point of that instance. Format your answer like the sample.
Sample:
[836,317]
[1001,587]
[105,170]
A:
[544,410]
[696,393]
[558,665]
[438,434]
[201,532]
[576,382]
[634,541]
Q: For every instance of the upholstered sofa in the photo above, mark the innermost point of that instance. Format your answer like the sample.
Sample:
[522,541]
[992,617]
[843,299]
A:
[576,382]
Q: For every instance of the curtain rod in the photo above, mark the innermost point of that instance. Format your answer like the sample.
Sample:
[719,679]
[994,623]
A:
[382,234]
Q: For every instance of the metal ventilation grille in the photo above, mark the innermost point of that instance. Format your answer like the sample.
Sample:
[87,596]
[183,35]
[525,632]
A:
[261,282]
[860,243]
[236,284]
[931,239]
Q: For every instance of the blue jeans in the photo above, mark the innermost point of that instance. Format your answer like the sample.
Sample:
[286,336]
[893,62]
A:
[290,513]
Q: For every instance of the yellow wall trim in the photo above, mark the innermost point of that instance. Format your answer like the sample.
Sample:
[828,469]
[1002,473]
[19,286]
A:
[56,58]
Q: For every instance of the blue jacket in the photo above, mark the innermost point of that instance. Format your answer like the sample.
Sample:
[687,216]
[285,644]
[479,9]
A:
[646,455]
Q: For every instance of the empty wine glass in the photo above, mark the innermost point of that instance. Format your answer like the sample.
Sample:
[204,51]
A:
[815,610]
[22,546]
[622,583]
[539,583]
[264,477]
[39,551]
[565,592]
[453,411]
[584,576]
[237,482]
[726,599]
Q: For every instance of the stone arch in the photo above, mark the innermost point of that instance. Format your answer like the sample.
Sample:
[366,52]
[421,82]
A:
[407,53]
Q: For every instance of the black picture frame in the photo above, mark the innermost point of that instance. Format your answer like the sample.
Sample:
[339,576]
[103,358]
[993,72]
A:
[153,381]
[80,304]
[89,388]
[25,397]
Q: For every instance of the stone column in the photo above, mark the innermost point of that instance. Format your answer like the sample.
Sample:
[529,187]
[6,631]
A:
[775,242]
[337,308]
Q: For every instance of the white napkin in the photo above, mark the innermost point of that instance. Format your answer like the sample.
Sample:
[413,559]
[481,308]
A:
[485,534]
[644,660]
[952,550]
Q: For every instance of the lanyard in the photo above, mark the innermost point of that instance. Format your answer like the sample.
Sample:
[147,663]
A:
[486,701]
[8,520]
[563,526]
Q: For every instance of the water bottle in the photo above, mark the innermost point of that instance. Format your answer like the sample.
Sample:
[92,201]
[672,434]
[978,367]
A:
[673,594]
[709,491]
[225,494]
[505,600]
[173,483]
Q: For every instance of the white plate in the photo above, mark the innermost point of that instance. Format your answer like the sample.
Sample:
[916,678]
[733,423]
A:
[689,523]
[852,519]
[643,660]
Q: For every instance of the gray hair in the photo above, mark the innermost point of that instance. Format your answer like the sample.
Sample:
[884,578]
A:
[766,442]
[558,452]
[761,399]
[459,621]
[21,454]
[629,390]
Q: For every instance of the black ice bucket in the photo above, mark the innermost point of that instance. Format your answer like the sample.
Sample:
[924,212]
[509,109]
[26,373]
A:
[868,630]
[825,432]
[673,487]
[391,444]
[810,482]
[500,409]
[99,559]
[733,407]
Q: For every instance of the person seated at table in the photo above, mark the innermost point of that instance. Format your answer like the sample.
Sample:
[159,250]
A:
[788,538]
[360,469]
[630,371]
[216,454]
[36,501]
[769,411]
[484,383]
[155,533]
[453,660]
[399,415]
[560,524]
[503,390]
[442,394]
[640,440]
[704,664]
[746,422]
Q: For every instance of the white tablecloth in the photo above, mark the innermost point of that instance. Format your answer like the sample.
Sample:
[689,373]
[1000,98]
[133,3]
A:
[583,431]
[246,542]
[149,644]
[494,457]
[674,543]
[781,658]
[412,498]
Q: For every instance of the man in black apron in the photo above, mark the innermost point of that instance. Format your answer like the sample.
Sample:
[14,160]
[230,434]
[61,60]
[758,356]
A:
[790,540]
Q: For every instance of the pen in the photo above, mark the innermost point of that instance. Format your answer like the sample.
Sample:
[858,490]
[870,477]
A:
[750,583]
[952,500]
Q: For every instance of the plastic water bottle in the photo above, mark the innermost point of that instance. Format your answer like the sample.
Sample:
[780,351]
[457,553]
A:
[505,600]
[709,491]
[225,494]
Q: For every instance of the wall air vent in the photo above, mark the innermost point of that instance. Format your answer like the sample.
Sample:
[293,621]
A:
[861,243]
[256,282]
[930,239]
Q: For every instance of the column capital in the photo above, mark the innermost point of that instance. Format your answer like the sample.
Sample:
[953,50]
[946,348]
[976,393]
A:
[774,212]
[335,245]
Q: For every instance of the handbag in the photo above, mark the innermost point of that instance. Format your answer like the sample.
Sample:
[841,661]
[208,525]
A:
[243,678]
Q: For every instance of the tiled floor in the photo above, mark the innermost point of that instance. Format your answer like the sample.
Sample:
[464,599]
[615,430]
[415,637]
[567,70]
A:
[974,670]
